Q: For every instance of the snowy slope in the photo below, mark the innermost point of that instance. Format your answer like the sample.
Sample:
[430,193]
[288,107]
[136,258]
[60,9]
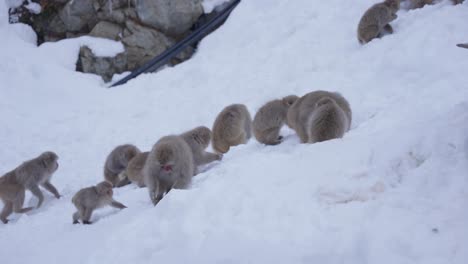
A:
[393,190]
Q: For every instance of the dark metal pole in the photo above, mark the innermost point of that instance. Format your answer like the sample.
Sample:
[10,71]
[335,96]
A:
[173,51]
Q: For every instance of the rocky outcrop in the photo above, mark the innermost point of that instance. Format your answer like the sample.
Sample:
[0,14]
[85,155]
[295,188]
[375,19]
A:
[146,28]
[78,15]
[173,17]
[106,67]
[108,30]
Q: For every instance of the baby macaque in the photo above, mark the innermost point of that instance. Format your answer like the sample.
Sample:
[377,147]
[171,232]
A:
[376,19]
[270,118]
[233,126]
[320,116]
[169,165]
[117,161]
[88,199]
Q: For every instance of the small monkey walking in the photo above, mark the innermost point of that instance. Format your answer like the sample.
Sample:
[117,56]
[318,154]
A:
[88,199]
[376,20]
[29,175]
[38,171]
[232,127]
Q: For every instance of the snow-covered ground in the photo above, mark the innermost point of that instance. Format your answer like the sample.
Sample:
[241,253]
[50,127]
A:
[393,190]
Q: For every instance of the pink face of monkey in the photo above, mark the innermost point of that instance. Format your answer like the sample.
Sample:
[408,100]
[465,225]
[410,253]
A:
[105,188]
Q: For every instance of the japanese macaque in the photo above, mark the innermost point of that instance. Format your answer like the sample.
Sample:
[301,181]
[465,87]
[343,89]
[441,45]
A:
[117,161]
[133,172]
[198,140]
[233,126]
[38,171]
[29,175]
[12,195]
[320,116]
[270,118]
[413,4]
[88,199]
[169,165]
[376,19]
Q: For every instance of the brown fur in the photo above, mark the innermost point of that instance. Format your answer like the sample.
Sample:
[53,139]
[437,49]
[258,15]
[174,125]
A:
[198,140]
[88,199]
[12,194]
[169,165]
[133,172]
[319,116]
[414,4]
[117,161]
[376,19]
[233,126]
[38,171]
[270,118]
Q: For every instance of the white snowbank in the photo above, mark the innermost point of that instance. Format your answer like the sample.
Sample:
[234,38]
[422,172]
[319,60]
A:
[393,190]
[210,5]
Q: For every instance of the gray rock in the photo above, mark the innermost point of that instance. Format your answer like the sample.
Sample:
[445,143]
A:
[143,43]
[173,17]
[118,16]
[78,15]
[111,5]
[103,66]
[56,25]
[107,30]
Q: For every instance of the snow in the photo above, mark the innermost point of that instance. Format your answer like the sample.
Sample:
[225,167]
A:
[34,7]
[12,3]
[210,5]
[393,190]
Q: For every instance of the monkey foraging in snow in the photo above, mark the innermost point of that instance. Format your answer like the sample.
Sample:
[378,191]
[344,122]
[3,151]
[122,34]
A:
[117,161]
[320,116]
[376,19]
[169,165]
[270,118]
[233,126]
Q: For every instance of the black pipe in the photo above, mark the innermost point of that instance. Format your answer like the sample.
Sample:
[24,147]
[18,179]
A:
[193,37]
